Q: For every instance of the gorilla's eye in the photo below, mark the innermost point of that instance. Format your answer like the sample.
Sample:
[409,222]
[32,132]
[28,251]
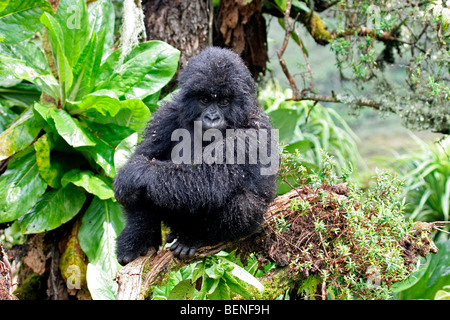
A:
[224,102]
[205,100]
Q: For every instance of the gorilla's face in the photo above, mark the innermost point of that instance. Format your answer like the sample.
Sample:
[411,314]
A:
[213,109]
[216,89]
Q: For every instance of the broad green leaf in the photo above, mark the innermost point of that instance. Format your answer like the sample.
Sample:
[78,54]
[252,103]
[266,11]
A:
[221,291]
[73,19]
[147,69]
[184,290]
[100,282]
[13,68]
[101,224]
[43,116]
[106,138]
[286,120]
[3,4]
[302,146]
[97,185]
[30,53]
[102,22]
[82,71]
[19,135]
[20,186]
[124,150]
[53,209]
[104,107]
[20,19]
[133,114]
[23,94]
[70,129]
[433,275]
[103,102]
[63,65]
[281,4]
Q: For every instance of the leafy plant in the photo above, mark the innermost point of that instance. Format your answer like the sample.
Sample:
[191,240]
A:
[216,277]
[309,128]
[427,183]
[351,241]
[431,281]
[64,149]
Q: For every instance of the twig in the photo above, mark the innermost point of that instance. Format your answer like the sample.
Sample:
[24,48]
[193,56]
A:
[280,53]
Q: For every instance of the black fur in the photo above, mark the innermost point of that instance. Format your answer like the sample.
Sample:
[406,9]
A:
[202,204]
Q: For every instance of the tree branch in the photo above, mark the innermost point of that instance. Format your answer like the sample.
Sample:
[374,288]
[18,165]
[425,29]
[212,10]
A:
[273,243]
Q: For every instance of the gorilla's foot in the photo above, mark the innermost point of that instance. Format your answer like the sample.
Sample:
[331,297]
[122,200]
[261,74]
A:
[130,246]
[182,250]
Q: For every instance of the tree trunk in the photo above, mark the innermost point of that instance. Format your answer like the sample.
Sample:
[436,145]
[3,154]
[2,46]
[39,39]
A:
[241,27]
[183,24]
[189,26]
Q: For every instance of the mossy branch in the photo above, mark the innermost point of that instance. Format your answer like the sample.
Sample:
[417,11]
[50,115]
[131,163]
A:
[137,279]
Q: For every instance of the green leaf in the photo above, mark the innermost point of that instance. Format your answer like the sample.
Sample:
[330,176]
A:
[74,22]
[236,286]
[286,120]
[23,94]
[20,186]
[101,224]
[433,276]
[106,137]
[57,42]
[30,53]
[100,282]
[102,21]
[13,68]
[184,290]
[302,146]
[53,209]
[19,135]
[20,19]
[124,150]
[104,107]
[97,185]
[101,102]
[133,114]
[221,291]
[281,4]
[70,129]
[147,69]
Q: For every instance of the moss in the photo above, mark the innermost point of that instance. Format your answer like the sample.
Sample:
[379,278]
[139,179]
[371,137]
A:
[33,288]
[316,28]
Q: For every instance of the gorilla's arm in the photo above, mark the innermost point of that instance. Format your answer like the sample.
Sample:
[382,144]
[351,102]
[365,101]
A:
[180,186]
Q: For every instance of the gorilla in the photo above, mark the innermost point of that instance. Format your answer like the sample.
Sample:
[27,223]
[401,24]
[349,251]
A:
[203,200]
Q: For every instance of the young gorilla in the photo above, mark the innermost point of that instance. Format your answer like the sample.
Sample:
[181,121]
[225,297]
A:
[202,203]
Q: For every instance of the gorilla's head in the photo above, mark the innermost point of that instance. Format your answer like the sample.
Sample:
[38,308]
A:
[216,88]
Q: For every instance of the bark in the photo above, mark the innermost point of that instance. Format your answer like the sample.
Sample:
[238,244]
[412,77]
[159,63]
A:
[182,24]
[241,27]
[5,276]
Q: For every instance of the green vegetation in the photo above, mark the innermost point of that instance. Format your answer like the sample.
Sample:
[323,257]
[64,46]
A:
[65,145]
[72,109]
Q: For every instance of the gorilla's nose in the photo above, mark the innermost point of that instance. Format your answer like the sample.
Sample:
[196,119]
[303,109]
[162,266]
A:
[212,117]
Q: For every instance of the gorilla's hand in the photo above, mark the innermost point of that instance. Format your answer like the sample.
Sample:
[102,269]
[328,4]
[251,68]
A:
[183,250]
